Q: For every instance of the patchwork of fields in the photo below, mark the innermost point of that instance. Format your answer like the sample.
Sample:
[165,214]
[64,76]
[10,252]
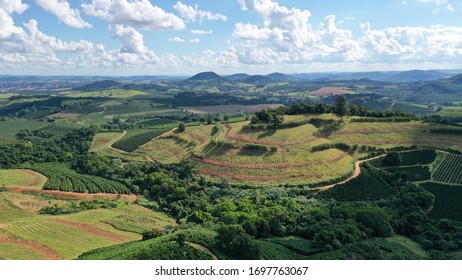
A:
[234,153]
[25,234]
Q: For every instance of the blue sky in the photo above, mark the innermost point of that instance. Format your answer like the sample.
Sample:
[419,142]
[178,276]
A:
[154,37]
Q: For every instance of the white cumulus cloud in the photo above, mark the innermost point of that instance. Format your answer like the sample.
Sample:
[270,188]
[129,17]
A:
[132,40]
[136,13]
[177,39]
[62,9]
[13,6]
[191,13]
[201,32]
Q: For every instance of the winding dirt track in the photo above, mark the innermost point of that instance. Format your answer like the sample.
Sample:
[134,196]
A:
[357,171]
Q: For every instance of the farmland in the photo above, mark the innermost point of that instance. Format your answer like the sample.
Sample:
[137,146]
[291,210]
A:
[449,170]
[189,170]
[64,179]
[244,156]
[26,234]
[447,201]
[22,177]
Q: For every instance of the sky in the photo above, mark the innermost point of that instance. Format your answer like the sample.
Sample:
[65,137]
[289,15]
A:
[171,37]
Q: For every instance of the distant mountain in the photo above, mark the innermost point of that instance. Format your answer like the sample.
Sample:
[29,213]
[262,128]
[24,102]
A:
[259,80]
[380,76]
[282,77]
[207,77]
[98,85]
[419,75]
[237,77]
[456,80]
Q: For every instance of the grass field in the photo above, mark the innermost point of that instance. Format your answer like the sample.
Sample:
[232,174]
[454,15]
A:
[62,127]
[113,93]
[104,140]
[220,109]
[25,234]
[237,155]
[22,177]
[10,128]
[396,134]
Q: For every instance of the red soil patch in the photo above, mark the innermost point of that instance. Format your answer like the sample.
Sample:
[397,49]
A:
[92,230]
[63,116]
[71,195]
[45,250]
[36,178]
[176,152]
[241,138]
[270,165]
[195,137]
[255,177]
[329,90]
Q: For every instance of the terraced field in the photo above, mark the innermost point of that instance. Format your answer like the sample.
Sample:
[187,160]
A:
[104,140]
[166,150]
[277,157]
[396,134]
[24,234]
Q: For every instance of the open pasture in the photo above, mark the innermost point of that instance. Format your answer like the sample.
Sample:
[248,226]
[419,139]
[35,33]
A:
[22,178]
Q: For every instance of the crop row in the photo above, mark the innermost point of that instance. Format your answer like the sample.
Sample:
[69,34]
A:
[129,143]
[62,178]
[449,170]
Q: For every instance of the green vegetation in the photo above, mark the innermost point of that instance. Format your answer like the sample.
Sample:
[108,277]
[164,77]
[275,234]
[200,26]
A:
[137,137]
[447,201]
[169,247]
[363,188]
[449,170]
[81,206]
[412,173]
[21,177]
[228,186]
[418,157]
[62,178]
[447,130]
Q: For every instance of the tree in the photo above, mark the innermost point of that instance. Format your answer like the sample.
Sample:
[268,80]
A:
[341,107]
[277,121]
[181,127]
[226,118]
[152,233]
[116,120]
[392,159]
[234,241]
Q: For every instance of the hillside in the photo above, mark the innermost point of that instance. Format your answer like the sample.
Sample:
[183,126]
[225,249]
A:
[206,77]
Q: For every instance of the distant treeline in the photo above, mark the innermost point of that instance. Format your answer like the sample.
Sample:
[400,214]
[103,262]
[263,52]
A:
[267,116]
[314,121]
[447,130]
[398,119]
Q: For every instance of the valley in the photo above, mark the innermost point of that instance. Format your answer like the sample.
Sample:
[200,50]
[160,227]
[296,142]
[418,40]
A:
[232,167]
